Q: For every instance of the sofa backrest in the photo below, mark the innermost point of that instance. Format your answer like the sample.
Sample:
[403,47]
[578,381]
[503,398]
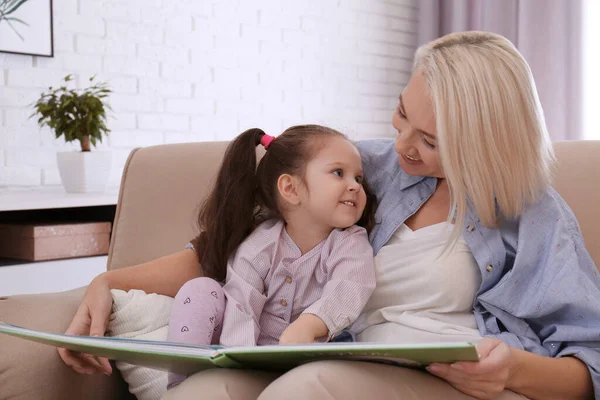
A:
[577,179]
[162,187]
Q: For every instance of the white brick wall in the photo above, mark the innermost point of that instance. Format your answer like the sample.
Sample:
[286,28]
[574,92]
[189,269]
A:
[196,70]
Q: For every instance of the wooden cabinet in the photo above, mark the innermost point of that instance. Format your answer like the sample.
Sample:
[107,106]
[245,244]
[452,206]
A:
[52,204]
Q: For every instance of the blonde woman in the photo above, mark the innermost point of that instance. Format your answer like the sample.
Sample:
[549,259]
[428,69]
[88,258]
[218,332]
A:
[471,244]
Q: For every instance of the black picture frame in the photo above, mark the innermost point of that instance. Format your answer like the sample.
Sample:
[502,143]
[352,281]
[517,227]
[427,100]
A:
[28,28]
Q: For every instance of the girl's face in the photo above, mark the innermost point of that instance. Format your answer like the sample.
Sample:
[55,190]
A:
[416,142]
[332,193]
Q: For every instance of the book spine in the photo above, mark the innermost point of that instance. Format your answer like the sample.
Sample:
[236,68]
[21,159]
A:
[223,361]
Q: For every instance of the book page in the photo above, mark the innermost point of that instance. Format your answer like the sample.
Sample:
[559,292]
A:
[411,355]
[186,358]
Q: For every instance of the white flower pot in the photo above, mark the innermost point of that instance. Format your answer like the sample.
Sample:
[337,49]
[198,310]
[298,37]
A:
[84,172]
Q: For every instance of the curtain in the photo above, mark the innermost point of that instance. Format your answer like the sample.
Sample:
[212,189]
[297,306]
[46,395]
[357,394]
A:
[547,32]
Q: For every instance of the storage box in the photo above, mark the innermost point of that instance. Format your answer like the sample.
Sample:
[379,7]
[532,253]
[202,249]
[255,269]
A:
[36,242]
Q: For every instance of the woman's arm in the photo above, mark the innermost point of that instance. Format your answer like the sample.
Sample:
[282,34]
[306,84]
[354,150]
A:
[165,275]
[502,367]
[538,377]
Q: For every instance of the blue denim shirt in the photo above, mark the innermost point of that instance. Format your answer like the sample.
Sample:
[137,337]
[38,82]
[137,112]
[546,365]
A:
[540,289]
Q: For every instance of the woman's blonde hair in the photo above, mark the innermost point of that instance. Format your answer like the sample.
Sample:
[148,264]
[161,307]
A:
[493,144]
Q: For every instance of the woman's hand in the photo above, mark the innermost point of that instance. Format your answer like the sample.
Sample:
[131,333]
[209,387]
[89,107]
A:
[90,319]
[484,379]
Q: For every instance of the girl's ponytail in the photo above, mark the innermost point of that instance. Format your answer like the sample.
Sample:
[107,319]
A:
[228,215]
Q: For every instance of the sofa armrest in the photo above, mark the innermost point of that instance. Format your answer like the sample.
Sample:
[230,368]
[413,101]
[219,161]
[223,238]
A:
[31,370]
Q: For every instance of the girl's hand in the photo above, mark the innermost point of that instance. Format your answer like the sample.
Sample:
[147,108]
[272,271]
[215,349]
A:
[296,334]
[306,329]
[90,319]
[483,379]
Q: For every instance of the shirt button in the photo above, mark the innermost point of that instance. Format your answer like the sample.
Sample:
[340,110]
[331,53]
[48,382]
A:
[284,302]
[470,228]
[288,279]
[489,268]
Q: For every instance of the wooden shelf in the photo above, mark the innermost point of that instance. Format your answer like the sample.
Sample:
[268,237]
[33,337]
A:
[52,198]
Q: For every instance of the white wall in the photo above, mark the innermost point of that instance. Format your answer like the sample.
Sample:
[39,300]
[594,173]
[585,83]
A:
[197,70]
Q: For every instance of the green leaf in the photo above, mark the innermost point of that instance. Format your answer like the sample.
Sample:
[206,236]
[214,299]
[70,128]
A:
[74,113]
[9,3]
[16,20]
[15,8]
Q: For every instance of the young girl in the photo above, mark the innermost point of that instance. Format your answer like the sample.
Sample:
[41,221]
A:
[283,236]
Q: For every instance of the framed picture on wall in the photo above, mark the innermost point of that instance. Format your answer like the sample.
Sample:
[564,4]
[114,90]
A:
[26,27]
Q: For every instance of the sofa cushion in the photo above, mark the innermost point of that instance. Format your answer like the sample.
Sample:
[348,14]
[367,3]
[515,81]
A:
[138,315]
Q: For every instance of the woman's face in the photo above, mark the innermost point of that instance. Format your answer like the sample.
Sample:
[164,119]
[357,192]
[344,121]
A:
[416,142]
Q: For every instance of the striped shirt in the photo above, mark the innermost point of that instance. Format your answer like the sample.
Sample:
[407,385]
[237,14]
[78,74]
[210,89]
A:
[270,283]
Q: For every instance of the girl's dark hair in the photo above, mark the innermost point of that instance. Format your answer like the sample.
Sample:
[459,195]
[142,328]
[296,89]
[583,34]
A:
[245,194]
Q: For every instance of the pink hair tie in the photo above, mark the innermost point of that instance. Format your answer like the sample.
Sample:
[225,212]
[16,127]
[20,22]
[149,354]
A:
[266,140]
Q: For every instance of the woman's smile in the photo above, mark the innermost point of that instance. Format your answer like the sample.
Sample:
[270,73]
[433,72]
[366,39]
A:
[411,160]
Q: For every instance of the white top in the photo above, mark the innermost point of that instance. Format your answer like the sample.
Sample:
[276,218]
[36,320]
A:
[420,296]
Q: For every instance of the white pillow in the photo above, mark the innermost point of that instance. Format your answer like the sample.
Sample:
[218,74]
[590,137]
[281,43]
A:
[138,315]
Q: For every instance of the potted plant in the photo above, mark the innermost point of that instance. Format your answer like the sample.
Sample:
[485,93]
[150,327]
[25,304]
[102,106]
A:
[78,114]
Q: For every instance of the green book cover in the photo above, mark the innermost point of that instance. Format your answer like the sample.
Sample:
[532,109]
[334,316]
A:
[185,358]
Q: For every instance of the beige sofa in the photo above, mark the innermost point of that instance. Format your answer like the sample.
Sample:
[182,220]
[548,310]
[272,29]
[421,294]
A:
[161,188]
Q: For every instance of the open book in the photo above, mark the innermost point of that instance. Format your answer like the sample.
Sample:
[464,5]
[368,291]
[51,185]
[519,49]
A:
[186,359]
